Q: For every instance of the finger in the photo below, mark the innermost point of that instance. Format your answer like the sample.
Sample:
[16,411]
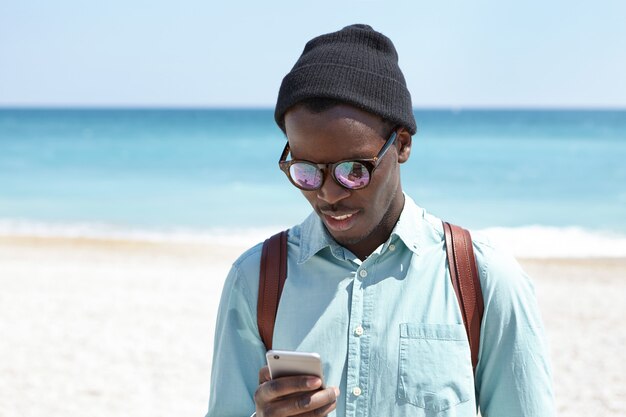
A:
[322,411]
[264,375]
[309,403]
[285,386]
[280,387]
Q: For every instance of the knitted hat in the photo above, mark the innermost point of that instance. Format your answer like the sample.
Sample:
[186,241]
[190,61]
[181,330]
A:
[355,65]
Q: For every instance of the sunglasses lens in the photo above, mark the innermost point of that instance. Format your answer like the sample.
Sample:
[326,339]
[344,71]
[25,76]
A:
[352,174]
[306,176]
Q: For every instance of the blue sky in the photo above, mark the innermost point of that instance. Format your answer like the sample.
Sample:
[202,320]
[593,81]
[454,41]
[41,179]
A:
[455,54]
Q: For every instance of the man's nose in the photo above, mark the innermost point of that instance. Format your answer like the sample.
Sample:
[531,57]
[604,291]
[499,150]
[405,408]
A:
[330,191]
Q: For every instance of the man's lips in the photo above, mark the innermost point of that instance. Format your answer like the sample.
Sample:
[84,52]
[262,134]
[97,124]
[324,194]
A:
[339,220]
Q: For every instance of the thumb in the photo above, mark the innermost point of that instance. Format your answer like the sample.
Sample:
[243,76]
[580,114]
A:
[264,375]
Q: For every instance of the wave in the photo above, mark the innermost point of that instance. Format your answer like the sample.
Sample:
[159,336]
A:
[93,230]
[558,242]
[525,242]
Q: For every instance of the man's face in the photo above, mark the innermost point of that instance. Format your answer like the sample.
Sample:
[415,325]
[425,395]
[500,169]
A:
[358,219]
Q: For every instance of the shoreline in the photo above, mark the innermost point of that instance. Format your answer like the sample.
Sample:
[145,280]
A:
[239,243]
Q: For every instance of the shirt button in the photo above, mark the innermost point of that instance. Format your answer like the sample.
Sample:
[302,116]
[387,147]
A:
[392,247]
[358,331]
[363,273]
[356,391]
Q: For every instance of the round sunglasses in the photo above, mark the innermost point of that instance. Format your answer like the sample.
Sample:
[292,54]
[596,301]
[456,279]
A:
[352,174]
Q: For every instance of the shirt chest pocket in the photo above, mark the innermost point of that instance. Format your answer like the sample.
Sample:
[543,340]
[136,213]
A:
[435,369]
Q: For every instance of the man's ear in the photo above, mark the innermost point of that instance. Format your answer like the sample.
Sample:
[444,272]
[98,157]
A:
[403,142]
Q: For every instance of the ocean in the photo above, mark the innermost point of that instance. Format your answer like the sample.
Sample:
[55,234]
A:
[545,178]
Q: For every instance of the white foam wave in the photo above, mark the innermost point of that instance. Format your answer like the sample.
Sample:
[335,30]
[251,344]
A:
[558,242]
[240,237]
[526,242]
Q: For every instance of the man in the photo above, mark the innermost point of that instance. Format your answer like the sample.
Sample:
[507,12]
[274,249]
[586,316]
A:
[368,285]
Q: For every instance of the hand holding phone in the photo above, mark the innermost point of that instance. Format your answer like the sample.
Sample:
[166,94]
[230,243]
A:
[292,384]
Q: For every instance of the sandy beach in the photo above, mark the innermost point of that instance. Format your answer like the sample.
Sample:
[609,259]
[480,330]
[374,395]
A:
[122,328]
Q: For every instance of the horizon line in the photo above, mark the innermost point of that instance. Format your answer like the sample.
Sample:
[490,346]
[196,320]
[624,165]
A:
[271,108]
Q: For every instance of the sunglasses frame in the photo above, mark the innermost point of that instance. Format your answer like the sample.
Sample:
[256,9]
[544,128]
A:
[370,164]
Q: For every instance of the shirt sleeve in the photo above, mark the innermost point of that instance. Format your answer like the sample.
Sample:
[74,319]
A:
[238,352]
[513,375]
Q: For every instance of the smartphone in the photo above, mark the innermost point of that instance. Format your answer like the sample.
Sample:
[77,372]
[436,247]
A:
[289,363]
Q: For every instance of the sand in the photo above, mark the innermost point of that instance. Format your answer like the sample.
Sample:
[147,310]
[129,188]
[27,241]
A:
[118,328]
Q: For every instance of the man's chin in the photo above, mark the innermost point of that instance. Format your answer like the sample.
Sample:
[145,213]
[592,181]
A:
[351,235]
[346,239]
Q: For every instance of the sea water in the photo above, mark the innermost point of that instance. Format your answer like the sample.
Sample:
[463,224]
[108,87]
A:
[539,176]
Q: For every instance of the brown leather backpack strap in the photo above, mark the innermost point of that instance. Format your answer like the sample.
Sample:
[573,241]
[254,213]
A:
[272,278]
[464,276]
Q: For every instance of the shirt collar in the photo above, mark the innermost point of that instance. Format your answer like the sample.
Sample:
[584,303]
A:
[314,237]
[409,227]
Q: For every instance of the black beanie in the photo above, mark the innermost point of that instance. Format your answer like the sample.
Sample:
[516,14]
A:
[355,65]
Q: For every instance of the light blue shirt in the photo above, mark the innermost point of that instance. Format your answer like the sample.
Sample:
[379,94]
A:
[389,329]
